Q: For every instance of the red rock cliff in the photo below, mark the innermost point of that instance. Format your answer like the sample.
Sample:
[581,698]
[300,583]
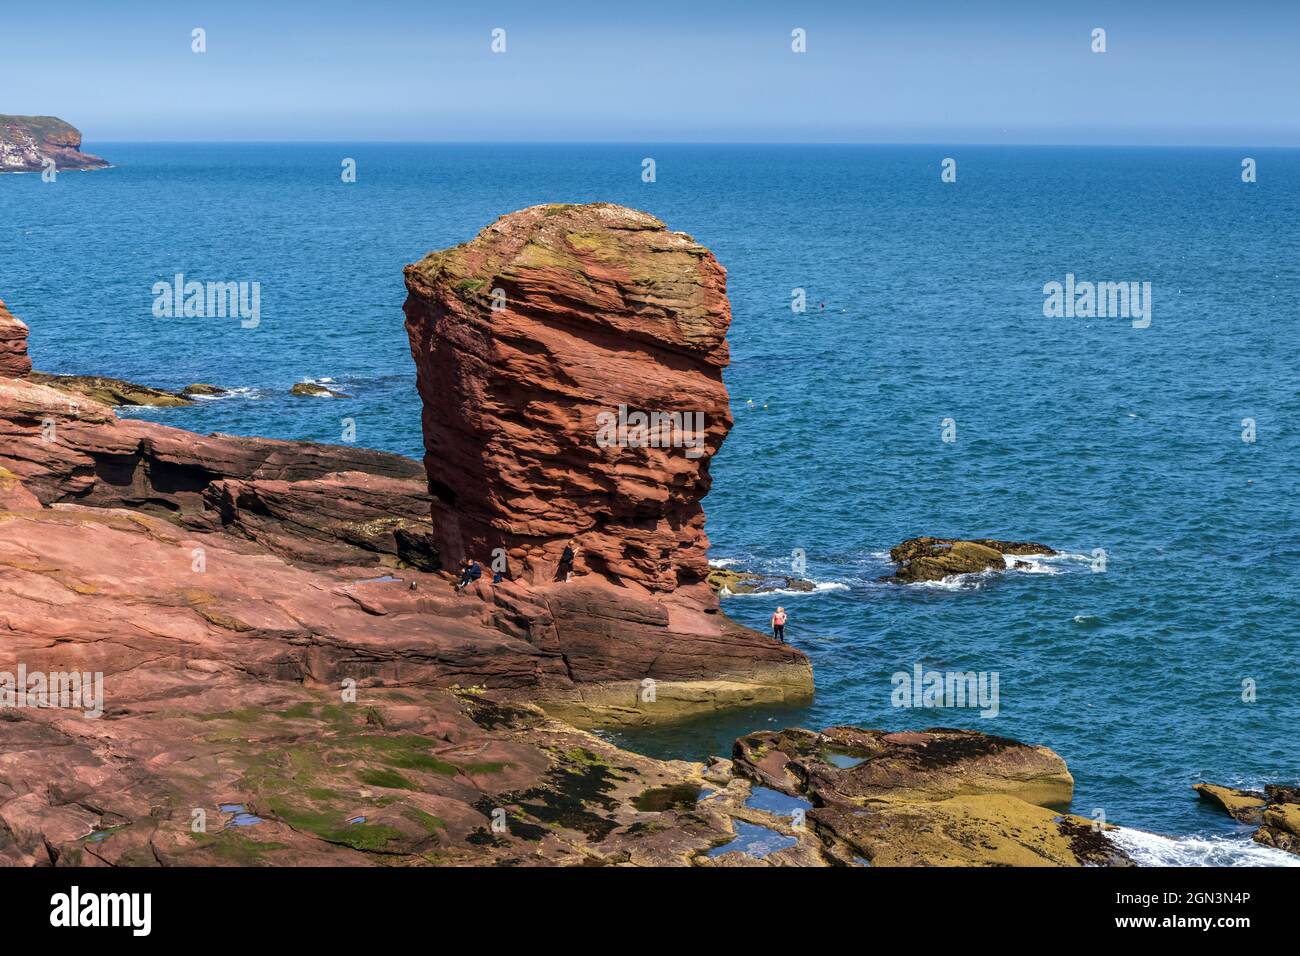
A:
[527,340]
[14,362]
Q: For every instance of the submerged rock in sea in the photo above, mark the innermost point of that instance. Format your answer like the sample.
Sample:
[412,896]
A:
[26,142]
[1276,811]
[933,559]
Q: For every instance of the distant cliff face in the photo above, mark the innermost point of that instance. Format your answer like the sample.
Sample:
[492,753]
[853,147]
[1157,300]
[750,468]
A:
[27,141]
[540,345]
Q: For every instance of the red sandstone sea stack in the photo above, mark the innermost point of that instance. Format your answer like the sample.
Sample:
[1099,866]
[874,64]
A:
[554,321]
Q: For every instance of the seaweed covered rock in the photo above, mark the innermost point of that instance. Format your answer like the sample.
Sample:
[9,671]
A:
[933,559]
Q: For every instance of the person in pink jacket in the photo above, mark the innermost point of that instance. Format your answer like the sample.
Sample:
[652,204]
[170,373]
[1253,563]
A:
[778,624]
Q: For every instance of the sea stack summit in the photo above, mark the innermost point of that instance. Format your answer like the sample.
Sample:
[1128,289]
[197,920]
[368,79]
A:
[29,143]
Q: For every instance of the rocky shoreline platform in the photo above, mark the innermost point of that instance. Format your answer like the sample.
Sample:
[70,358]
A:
[289,677]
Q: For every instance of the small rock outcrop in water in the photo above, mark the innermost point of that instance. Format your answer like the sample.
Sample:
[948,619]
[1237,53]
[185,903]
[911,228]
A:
[313,390]
[26,142]
[552,321]
[933,559]
[1276,812]
[748,582]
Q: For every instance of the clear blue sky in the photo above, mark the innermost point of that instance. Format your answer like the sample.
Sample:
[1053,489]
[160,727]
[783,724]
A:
[984,71]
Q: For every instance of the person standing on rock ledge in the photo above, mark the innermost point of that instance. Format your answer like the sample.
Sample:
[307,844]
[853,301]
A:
[778,624]
[565,570]
[566,561]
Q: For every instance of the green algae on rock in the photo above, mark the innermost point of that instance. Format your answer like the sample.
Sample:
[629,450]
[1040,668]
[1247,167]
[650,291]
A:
[933,559]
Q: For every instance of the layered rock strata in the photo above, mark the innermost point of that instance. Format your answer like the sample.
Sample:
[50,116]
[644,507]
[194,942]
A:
[536,344]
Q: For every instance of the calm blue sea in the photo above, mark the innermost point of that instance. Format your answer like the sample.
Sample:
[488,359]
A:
[1082,433]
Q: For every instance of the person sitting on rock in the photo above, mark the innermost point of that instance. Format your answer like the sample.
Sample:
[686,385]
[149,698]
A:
[470,572]
[566,560]
[778,624]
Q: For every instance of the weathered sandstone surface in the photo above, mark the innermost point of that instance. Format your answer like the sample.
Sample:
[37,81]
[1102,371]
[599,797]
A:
[933,559]
[14,362]
[27,141]
[933,798]
[597,307]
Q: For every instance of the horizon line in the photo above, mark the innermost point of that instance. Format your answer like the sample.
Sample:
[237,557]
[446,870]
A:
[668,142]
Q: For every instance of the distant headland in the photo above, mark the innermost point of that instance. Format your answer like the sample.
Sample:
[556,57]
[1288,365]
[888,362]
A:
[28,143]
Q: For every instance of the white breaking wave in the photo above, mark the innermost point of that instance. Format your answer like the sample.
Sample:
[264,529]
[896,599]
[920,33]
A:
[1029,563]
[243,392]
[723,562]
[955,582]
[1151,849]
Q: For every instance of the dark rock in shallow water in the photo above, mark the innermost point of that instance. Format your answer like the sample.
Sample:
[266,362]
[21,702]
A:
[747,582]
[199,388]
[933,559]
[312,390]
